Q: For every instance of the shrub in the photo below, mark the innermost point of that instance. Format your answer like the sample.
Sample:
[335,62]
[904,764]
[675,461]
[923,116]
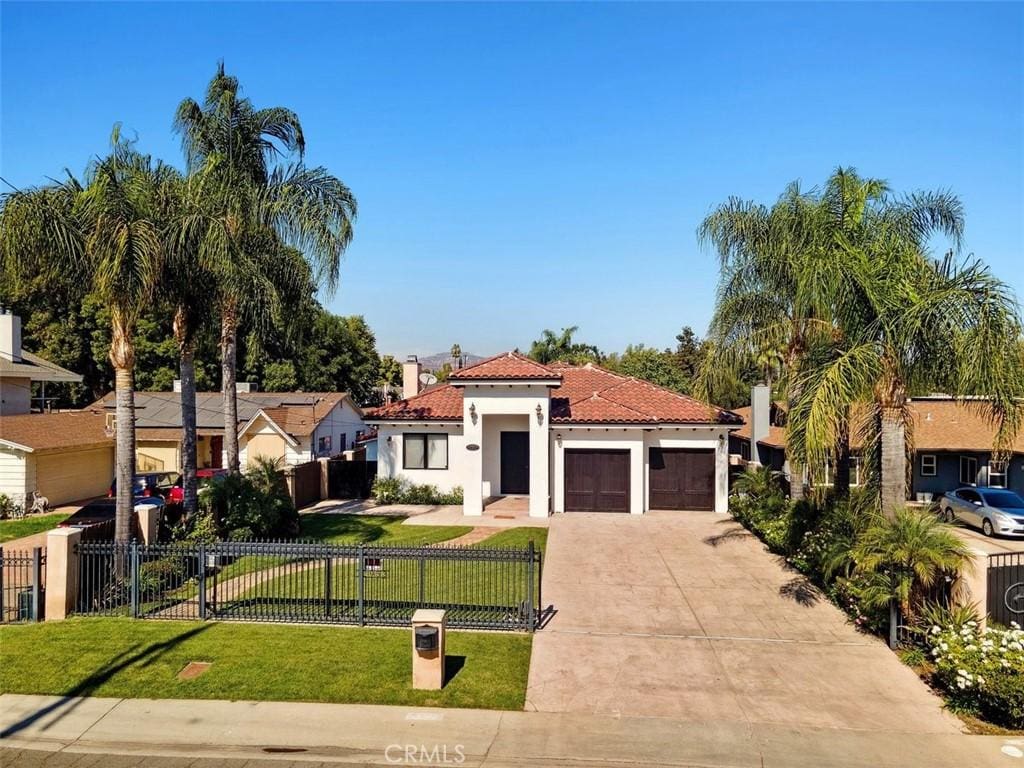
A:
[982,670]
[398,490]
[906,559]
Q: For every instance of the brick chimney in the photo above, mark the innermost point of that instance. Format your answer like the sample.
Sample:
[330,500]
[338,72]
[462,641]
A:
[10,336]
[411,369]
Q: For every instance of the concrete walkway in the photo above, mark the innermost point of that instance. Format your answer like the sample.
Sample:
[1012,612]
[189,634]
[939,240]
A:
[685,615]
[372,735]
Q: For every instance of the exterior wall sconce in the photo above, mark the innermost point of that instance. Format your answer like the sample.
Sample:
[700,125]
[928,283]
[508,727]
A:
[472,412]
[558,439]
[540,414]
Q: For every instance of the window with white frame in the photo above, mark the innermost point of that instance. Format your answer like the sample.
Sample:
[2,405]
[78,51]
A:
[997,473]
[928,465]
[425,451]
[856,463]
[744,450]
[968,470]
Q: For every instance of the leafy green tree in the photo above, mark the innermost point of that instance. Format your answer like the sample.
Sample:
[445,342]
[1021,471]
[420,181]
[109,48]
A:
[653,365]
[552,347]
[390,371]
[280,376]
[105,231]
[344,357]
[263,205]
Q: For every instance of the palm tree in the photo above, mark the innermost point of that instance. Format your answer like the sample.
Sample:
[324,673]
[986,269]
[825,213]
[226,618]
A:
[263,205]
[552,347]
[456,354]
[763,310]
[105,230]
[916,325]
[904,558]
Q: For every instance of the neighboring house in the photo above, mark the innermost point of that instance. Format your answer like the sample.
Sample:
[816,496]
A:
[570,438]
[63,456]
[952,445]
[368,442]
[293,426]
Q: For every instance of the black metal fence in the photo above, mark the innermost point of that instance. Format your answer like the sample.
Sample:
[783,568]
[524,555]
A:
[22,583]
[291,582]
[1006,588]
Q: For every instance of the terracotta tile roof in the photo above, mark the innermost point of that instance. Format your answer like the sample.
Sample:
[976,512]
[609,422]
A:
[302,420]
[443,403]
[587,395]
[509,365]
[46,431]
[776,437]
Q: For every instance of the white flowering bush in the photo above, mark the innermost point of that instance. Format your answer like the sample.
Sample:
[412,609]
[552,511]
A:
[982,669]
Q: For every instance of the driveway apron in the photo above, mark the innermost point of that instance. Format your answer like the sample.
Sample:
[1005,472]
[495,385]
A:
[685,615]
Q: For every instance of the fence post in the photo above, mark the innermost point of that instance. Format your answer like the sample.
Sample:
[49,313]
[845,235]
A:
[37,583]
[423,578]
[135,578]
[328,591]
[202,580]
[361,581]
[529,585]
[61,572]
[2,615]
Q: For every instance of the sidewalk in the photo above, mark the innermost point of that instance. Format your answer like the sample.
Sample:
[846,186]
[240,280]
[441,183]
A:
[372,735]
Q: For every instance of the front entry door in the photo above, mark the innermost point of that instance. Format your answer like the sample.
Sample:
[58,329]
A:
[515,463]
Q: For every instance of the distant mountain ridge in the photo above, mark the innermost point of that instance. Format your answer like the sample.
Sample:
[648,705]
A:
[436,362]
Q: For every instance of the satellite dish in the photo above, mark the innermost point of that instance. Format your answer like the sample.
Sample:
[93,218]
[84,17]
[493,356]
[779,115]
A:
[426,379]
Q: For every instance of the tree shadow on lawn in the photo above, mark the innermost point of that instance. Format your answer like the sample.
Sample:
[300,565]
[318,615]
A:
[70,700]
[358,529]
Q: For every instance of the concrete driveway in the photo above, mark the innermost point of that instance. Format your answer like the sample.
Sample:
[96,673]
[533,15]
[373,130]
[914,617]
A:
[685,615]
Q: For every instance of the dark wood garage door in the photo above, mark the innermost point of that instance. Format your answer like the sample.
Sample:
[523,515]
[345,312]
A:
[682,478]
[596,481]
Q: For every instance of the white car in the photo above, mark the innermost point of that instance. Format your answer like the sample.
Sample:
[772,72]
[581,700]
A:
[996,511]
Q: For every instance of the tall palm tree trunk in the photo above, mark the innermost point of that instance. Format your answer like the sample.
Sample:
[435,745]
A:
[229,374]
[189,464]
[894,460]
[841,476]
[796,467]
[122,357]
[891,396]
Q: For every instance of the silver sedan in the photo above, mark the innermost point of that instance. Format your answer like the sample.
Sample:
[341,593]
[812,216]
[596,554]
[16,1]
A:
[995,510]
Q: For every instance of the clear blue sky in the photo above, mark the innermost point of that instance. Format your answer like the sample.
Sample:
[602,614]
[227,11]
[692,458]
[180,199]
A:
[529,166]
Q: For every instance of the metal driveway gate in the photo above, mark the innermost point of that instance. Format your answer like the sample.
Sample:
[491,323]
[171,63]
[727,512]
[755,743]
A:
[1006,588]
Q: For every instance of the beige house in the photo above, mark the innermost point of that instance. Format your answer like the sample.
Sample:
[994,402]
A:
[293,426]
[62,456]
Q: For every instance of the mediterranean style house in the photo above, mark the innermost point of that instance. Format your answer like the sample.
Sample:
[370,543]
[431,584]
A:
[952,445]
[569,438]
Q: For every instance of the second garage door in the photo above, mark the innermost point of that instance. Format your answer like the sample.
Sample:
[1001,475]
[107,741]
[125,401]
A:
[682,478]
[596,481]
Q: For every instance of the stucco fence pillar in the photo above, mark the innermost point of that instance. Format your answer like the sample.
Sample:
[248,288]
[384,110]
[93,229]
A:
[972,586]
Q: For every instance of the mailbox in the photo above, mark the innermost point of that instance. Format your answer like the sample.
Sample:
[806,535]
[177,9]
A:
[426,638]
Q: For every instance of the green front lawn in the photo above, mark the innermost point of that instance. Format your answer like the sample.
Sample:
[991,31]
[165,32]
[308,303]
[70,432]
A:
[141,659]
[375,530]
[26,526]
[517,537]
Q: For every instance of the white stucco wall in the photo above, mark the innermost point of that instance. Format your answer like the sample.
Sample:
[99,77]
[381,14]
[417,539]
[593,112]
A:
[390,447]
[493,426]
[506,400]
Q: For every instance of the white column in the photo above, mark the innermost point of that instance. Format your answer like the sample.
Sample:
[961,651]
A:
[472,462]
[540,441]
[722,475]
